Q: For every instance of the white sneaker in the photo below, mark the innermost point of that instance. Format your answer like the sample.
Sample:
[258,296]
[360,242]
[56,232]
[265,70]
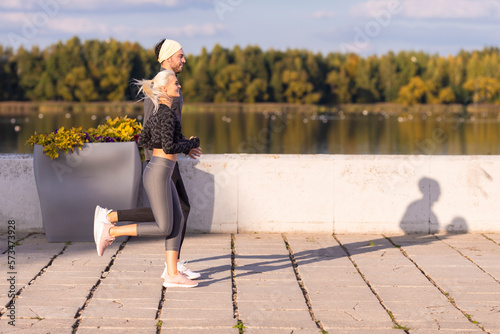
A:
[101,214]
[99,217]
[181,267]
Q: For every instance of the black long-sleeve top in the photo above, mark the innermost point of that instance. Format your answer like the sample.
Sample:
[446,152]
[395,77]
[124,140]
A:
[163,130]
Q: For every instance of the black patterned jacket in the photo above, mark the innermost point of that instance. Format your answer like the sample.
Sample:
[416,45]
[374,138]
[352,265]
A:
[163,130]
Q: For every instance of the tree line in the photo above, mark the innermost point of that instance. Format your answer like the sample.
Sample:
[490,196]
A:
[96,70]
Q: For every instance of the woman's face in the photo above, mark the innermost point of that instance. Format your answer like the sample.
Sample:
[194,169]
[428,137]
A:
[173,88]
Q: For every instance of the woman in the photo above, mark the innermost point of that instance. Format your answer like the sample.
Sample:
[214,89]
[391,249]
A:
[163,134]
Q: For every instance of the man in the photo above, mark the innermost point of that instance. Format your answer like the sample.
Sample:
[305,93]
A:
[170,55]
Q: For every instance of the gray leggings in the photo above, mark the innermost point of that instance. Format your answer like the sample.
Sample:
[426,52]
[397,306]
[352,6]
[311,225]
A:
[157,179]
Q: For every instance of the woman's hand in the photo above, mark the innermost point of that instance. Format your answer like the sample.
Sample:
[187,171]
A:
[194,153]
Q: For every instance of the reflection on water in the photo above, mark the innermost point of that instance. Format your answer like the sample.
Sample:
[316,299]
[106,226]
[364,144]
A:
[282,129]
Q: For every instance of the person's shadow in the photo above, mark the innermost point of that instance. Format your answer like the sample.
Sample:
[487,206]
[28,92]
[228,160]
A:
[419,217]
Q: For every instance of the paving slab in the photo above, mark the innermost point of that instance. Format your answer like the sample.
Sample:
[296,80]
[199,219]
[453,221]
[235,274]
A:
[493,237]
[117,324]
[201,330]
[181,318]
[271,330]
[262,302]
[446,331]
[283,318]
[38,326]
[135,296]
[479,249]
[370,330]
[344,298]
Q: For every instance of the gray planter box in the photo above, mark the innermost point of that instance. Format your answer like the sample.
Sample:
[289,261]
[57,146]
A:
[70,187]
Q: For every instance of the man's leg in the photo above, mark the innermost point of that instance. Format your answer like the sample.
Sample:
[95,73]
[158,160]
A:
[183,198]
[134,215]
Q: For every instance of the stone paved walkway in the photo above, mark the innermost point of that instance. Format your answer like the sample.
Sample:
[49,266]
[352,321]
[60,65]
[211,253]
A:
[262,283]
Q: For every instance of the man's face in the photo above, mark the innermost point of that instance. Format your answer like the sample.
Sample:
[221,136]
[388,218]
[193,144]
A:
[176,62]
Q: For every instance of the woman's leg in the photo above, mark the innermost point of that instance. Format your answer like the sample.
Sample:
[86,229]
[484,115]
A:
[118,231]
[156,179]
[171,257]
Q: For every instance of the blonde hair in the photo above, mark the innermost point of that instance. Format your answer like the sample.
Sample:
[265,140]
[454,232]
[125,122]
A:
[151,88]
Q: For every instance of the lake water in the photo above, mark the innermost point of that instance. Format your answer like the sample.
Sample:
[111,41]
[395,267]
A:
[284,129]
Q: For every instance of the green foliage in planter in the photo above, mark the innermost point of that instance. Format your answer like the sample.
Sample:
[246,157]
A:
[119,129]
[61,139]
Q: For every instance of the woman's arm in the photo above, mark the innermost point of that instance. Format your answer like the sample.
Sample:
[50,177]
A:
[169,145]
[144,139]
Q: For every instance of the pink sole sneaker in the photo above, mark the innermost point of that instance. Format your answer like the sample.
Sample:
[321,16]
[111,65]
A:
[179,281]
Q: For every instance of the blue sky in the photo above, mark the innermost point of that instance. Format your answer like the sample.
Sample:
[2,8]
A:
[363,26]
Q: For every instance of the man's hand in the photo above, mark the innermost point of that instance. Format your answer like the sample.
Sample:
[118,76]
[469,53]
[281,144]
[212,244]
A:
[194,153]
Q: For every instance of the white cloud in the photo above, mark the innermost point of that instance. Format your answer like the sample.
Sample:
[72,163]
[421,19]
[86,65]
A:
[10,19]
[209,29]
[430,9]
[17,21]
[192,30]
[322,14]
[189,30]
[98,4]
[15,4]
[76,26]
[449,9]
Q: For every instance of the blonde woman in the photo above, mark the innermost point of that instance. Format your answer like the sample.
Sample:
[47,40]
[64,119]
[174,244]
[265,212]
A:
[170,55]
[162,133]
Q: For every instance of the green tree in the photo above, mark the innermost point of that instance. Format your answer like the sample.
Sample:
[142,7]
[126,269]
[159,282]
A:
[197,83]
[366,81]
[414,92]
[340,83]
[114,82]
[230,84]
[29,70]
[81,85]
[103,70]
[388,82]
[256,91]
[483,89]
[9,81]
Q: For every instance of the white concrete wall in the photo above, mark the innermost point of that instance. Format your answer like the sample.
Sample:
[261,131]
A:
[311,193]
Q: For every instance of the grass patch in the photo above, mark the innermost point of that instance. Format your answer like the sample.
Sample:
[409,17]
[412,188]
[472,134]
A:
[402,327]
[240,326]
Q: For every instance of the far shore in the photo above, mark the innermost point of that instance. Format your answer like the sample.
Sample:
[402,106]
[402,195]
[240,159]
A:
[22,108]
